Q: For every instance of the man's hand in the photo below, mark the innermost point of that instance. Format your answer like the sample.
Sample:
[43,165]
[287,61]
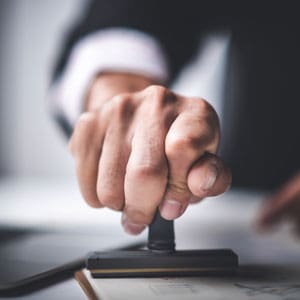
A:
[136,151]
[285,204]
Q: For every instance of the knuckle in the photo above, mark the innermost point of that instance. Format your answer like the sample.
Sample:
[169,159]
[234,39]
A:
[83,127]
[180,144]
[122,105]
[157,90]
[212,117]
[144,172]
[86,120]
[195,133]
[138,216]
[204,109]
[110,200]
[178,187]
[204,106]
[162,104]
[121,100]
[158,93]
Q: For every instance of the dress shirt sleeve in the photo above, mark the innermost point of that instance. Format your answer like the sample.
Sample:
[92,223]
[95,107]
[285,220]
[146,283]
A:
[114,49]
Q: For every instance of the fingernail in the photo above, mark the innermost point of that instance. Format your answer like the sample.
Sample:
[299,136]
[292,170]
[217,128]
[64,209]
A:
[209,179]
[171,209]
[133,228]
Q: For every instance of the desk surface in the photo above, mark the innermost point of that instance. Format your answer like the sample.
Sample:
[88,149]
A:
[222,222]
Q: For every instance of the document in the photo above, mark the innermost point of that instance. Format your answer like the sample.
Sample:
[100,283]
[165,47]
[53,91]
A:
[268,283]
[269,264]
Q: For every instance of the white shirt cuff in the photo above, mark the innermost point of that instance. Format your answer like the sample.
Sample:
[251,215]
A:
[115,49]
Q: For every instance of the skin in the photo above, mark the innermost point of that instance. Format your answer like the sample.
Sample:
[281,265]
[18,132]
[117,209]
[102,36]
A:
[283,205]
[139,147]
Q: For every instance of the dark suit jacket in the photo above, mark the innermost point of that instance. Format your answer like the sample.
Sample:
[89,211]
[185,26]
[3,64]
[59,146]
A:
[262,126]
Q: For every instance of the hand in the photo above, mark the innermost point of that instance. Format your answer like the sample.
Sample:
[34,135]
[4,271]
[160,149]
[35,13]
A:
[285,204]
[137,151]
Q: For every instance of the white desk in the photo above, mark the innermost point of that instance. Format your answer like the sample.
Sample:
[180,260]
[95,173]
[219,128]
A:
[221,222]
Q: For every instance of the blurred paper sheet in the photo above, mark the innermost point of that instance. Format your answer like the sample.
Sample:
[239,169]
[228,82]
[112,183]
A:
[267,283]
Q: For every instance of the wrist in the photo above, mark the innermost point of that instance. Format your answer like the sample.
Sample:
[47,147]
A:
[107,85]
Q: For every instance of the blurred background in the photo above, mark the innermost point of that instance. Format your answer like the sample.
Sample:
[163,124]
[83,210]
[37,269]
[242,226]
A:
[43,218]
[31,35]
[31,32]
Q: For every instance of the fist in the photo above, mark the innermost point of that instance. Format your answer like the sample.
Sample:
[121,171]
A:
[148,150]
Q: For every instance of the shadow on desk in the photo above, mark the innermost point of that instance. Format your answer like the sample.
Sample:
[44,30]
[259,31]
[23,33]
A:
[34,259]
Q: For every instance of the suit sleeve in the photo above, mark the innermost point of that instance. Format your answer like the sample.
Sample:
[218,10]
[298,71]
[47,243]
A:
[164,25]
[166,21]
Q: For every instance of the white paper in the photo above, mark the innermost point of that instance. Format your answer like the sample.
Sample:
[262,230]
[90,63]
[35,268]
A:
[198,288]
